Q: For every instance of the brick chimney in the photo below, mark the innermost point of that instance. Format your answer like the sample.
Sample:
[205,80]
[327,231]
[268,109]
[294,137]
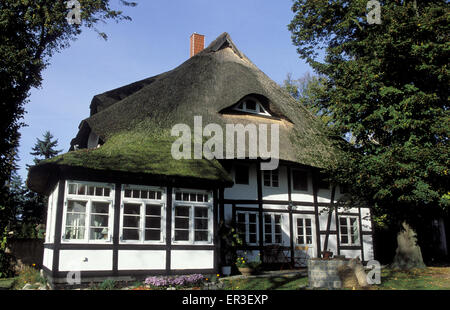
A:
[197,44]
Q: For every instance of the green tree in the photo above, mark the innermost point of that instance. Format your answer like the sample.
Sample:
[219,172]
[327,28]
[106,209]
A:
[31,31]
[308,90]
[45,149]
[387,87]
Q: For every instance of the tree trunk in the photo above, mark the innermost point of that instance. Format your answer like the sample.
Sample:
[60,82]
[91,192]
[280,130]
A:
[408,254]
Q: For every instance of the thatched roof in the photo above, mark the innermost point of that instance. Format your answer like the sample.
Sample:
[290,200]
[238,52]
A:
[206,85]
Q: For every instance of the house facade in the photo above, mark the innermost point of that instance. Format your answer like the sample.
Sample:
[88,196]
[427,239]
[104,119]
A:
[120,206]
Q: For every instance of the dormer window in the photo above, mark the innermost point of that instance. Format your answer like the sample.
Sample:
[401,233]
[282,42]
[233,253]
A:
[251,105]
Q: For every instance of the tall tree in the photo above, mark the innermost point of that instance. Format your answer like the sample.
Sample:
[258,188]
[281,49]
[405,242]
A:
[387,86]
[31,31]
[45,149]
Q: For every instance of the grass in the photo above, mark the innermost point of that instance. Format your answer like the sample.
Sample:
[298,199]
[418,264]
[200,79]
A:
[266,283]
[6,284]
[430,278]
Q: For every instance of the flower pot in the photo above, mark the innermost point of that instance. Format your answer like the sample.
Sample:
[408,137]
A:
[327,254]
[226,270]
[246,271]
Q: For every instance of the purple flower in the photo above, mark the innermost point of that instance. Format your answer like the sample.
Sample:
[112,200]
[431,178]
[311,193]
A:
[177,281]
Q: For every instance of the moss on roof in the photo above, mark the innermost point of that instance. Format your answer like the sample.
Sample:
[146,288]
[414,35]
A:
[141,151]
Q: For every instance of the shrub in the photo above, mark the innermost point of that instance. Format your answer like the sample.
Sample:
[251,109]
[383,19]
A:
[6,269]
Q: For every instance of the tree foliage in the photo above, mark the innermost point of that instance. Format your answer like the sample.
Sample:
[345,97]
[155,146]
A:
[387,86]
[31,31]
[45,149]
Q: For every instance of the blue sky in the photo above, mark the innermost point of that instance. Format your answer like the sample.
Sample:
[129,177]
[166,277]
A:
[155,41]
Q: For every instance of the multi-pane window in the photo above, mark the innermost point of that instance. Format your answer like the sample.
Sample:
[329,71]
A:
[349,230]
[88,212]
[192,217]
[272,229]
[193,197]
[247,226]
[142,214]
[304,231]
[300,180]
[271,178]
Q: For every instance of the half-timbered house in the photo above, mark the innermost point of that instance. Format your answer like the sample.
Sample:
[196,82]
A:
[121,206]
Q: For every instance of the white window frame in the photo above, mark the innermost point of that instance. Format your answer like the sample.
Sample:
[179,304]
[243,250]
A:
[247,223]
[273,224]
[142,215]
[89,199]
[192,204]
[259,107]
[349,230]
[271,177]
[296,235]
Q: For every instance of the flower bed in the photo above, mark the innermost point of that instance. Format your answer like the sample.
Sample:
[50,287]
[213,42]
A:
[163,282]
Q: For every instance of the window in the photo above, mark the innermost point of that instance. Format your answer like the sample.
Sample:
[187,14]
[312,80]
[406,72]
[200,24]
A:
[142,216]
[349,230]
[300,180]
[241,174]
[270,178]
[247,226]
[304,231]
[251,105]
[272,229]
[88,212]
[192,220]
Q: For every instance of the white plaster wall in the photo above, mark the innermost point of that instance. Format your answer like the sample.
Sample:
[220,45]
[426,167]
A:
[323,218]
[276,193]
[192,259]
[75,260]
[48,258]
[141,260]
[228,212]
[324,195]
[368,247]
[366,219]
[244,191]
[51,215]
[351,253]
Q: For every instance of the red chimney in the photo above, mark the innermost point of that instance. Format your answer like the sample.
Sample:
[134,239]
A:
[197,44]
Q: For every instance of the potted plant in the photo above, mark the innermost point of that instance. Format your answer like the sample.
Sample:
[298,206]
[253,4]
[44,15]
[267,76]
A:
[327,254]
[247,266]
[229,242]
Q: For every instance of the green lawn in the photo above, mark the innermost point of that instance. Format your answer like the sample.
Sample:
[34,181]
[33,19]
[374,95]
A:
[430,278]
[6,284]
[267,283]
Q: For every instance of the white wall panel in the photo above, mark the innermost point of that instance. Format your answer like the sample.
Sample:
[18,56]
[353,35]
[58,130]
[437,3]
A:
[141,259]
[192,259]
[85,260]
